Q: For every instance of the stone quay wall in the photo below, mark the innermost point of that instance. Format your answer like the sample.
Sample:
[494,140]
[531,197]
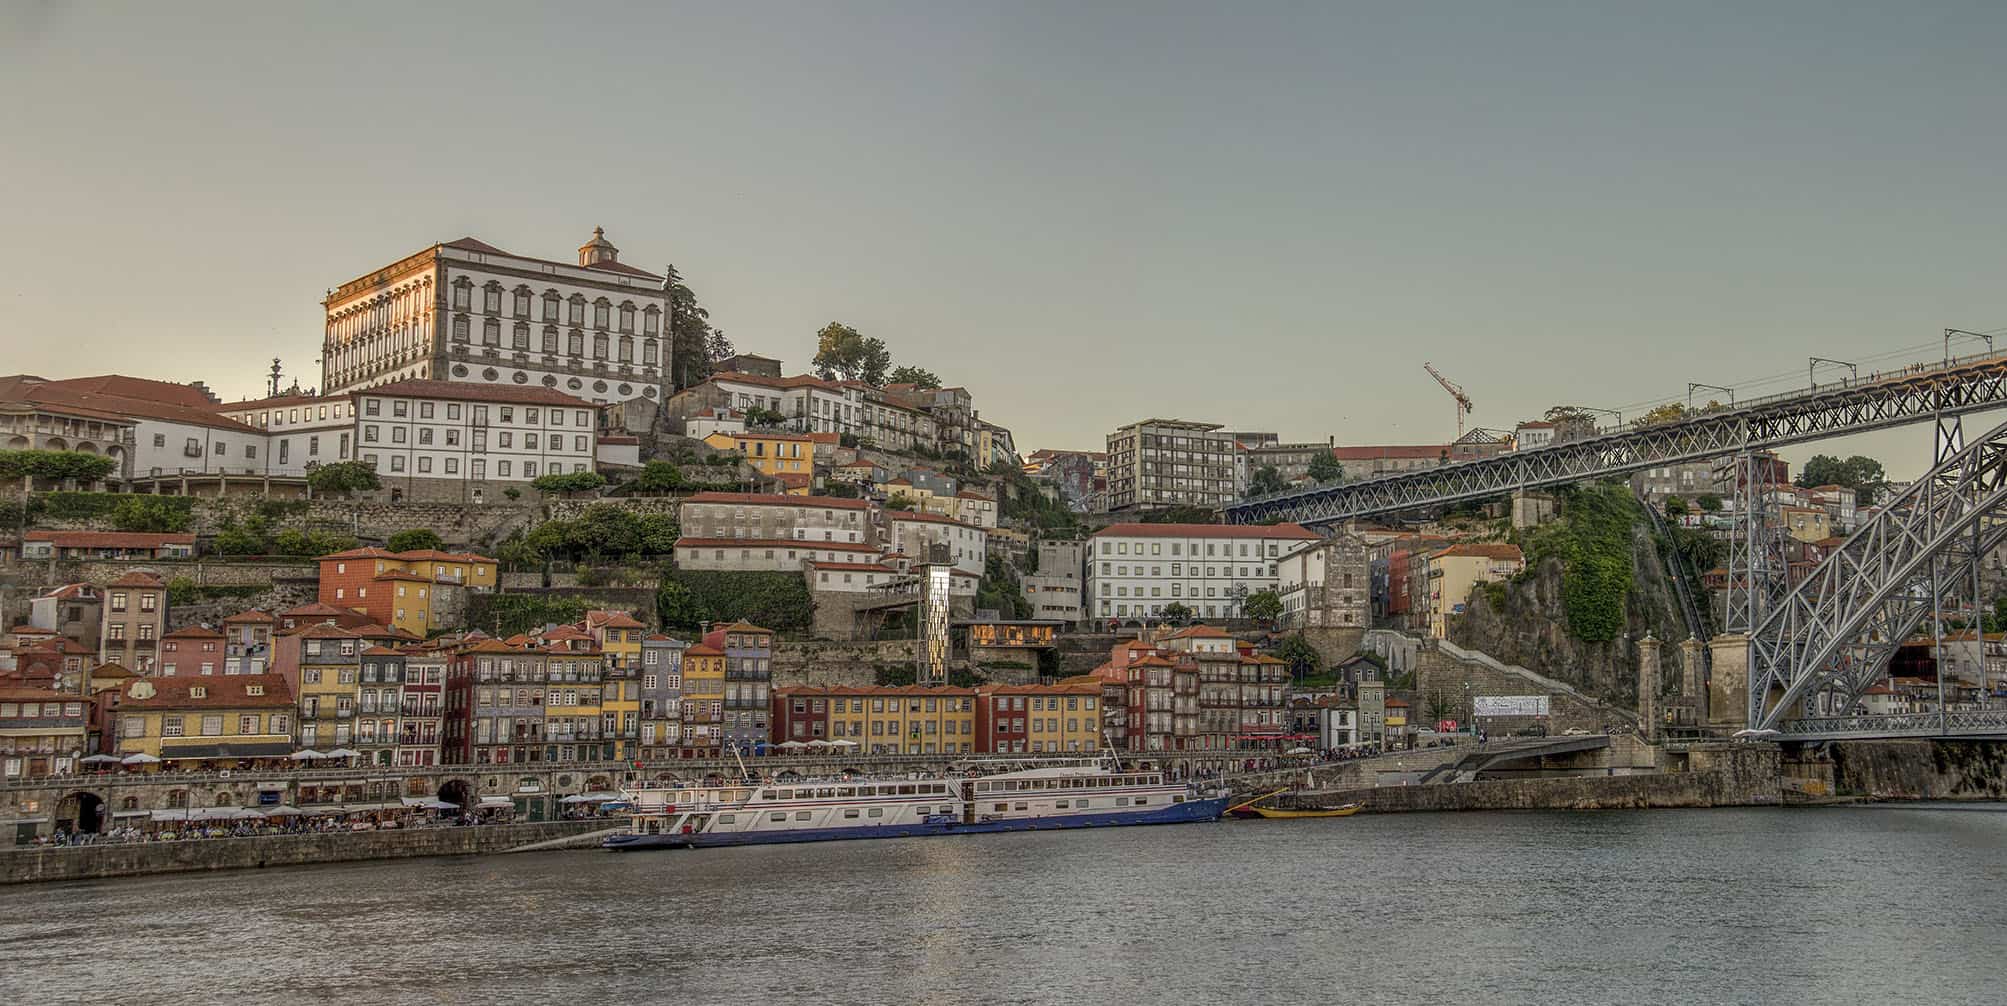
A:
[96,862]
[1746,776]
[1921,769]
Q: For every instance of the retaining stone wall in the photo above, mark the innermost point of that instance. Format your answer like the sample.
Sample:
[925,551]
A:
[846,664]
[1741,785]
[30,865]
[1921,769]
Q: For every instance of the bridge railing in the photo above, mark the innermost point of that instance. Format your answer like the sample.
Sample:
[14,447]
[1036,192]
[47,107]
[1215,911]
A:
[1953,722]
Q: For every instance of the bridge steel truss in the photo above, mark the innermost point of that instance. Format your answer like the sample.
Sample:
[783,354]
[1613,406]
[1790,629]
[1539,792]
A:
[1877,402]
[1831,635]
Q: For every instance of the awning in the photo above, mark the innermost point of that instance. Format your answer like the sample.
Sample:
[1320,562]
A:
[283,810]
[497,801]
[171,814]
[131,813]
[267,749]
[267,787]
[428,803]
[138,759]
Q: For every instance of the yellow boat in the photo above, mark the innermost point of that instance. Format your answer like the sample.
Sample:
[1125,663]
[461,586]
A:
[1251,809]
[1273,814]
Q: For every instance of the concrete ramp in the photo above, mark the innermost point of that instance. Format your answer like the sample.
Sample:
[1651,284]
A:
[1501,752]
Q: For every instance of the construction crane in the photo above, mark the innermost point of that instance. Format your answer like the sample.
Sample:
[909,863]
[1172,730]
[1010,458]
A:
[1462,400]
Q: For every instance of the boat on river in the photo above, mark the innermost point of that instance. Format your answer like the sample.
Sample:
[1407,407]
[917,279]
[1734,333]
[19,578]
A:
[1279,814]
[1031,796]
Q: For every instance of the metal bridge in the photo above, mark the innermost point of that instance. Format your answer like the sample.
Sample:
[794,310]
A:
[1830,637]
[1917,393]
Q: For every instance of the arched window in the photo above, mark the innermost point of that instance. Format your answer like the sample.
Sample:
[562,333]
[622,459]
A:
[129,803]
[550,336]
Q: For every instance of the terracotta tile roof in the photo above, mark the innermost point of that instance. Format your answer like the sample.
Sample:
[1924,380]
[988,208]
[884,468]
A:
[462,391]
[225,691]
[492,646]
[1201,632]
[778,499]
[926,517]
[313,610]
[855,567]
[253,615]
[703,650]
[194,632]
[403,575]
[23,693]
[70,592]
[1282,531]
[110,539]
[1069,686]
[615,620]
[138,579]
[131,398]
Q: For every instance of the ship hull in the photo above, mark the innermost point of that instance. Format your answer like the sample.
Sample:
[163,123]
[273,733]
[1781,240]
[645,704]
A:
[1190,811]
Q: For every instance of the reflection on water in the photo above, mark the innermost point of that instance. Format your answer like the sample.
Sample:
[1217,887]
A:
[1843,906]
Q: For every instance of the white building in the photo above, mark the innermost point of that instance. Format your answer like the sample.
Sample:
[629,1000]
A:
[466,311]
[1134,570]
[912,533]
[1532,435]
[441,440]
[300,430]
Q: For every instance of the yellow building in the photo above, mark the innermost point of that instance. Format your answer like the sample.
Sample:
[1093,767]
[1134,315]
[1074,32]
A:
[1806,523]
[1063,718]
[223,718]
[574,727]
[1455,570]
[703,702]
[772,452]
[400,589]
[618,635]
[904,719]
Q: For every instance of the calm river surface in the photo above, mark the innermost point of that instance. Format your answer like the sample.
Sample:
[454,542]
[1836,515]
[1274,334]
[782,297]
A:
[1849,905]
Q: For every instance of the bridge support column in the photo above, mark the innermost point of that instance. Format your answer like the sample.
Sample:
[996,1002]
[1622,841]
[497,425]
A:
[1531,508]
[1648,686]
[1728,689]
[1693,679]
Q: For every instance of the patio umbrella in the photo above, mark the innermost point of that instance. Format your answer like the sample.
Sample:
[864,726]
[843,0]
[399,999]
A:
[139,759]
[1299,751]
[305,754]
[575,798]
[248,814]
[283,810]
[344,753]
[843,744]
[99,760]
[791,745]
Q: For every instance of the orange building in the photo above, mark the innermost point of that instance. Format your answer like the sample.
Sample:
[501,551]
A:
[400,589]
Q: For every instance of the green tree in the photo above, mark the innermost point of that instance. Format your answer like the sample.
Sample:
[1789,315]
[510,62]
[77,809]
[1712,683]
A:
[1667,413]
[1265,480]
[1176,613]
[568,483]
[677,607]
[1708,502]
[1862,474]
[344,477]
[658,477]
[757,416]
[689,334]
[1303,659]
[899,501]
[55,465]
[1325,469]
[1441,705]
[415,540]
[718,348]
[149,513]
[1181,515]
[1263,606]
[873,360]
[839,352]
[918,377]
[1675,507]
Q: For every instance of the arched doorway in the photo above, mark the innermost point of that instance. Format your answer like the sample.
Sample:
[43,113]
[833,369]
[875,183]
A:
[457,792]
[81,811]
[225,798]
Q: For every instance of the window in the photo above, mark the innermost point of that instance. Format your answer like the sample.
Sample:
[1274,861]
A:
[600,311]
[491,298]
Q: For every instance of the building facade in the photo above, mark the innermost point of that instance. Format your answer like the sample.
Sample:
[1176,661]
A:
[469,312]
[454,442]
[1326,584]
[1135,570]
[1171,462]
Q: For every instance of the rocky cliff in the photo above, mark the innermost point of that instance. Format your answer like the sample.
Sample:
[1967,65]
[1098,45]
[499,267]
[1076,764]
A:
[1527,621]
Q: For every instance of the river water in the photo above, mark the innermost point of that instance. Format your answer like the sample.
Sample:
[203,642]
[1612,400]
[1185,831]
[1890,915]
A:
[1846,905]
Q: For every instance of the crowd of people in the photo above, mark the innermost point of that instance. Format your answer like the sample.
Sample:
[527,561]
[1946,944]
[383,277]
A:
[185,831]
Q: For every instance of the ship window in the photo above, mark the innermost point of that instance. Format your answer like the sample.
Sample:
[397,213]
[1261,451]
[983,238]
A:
[847,791]
[779,815]
[1059,804]
[982,787]
[1020,806]
[1121,801]
[1141,800]
[766,794]
[787,794]
[852,812]
[922,811]
[726,819]
[877,812]
[1177,799]
[906,791]
[1003,806]
[1082,803]
[801,815]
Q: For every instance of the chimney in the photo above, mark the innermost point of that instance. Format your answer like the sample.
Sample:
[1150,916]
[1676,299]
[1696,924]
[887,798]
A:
[597,250]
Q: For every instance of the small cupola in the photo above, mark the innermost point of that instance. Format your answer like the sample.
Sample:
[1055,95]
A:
[597,250]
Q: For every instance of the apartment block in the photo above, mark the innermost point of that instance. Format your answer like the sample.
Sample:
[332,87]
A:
[1171,462]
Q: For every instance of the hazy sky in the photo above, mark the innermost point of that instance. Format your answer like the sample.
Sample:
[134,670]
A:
[1263,215]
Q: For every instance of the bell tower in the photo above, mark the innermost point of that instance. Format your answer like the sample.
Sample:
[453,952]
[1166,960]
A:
[597,250]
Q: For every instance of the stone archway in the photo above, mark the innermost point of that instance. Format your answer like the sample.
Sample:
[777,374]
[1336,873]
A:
[82,811]
[457,791]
